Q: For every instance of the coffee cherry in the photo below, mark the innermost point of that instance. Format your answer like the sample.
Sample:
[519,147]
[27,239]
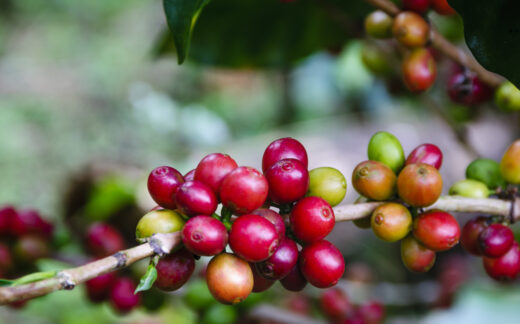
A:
[335,304]
[322,264]
[174,270]
[29,221]
[30,248]
[204,235]
[415,256]
[510,164]
[386,148]
[506,267]
[190,176]
[353,319]
[374,180]
[469,188]
[153,299]
[426,153]
[163,182]
[312,219]
[281,262]
[220,314]
[419,185]
[378,24]
[375,59]
[195,198]
[213,168]
[102,240]
[7,214]
[410,29]
[294,281]
[6,260]
[437,230]
[486,171]
[253,238]
[470,234]
[98,288]
[419,70]
[327,183]
[243,190]
[274,218]
[507,97]
[495,240]
[372,312]
[288,181]
[465,88]
[159,221]
[442,7]
[197,295]
[122,297]
[284,148]
[260,282]
[419,6]
[229,278]
[391,222]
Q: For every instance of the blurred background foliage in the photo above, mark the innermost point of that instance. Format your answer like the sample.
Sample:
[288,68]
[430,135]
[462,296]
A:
[91,99]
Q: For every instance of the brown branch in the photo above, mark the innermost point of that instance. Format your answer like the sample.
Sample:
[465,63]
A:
[164,243]
[446,47]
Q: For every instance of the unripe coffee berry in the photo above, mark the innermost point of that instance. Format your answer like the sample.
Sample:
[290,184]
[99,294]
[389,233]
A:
[284,148]
[410,29]
[391,222]
[312,218]
[163,182]
[327,183]
[196,198]
[322,264]
[437,230]
[507,97]
[253,238]
[374,180]
[288,181]
[243,190]
[159,221]
[495,240]
[378,24]
[510,164]
[415,256]
[213,168]
[386,148]
[419,185]
[204,236]
[426,153]
[486,171]
[229,278]
[469,188]
[174,270]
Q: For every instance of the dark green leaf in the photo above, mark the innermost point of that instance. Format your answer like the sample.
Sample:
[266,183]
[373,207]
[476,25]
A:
[181,16]
[147,279]
[492,32]
[5,282]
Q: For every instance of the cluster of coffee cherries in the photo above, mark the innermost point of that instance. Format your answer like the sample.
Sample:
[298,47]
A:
[102,240]
[337,307]
[491,237]
[410,184]
[264,248]
[25,237]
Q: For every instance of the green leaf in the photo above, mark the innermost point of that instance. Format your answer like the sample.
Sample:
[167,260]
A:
[147,279]
[6,283]
[33,277]
[181,16]
[492,32]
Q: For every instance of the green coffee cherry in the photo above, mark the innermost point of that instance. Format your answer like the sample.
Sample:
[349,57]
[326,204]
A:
[469,188]
[375,60]
[386,148]
[220,314]
[159,221]
[327,183]
[378,24]
[486,171]
[507,97]
[152,299]
[198,296]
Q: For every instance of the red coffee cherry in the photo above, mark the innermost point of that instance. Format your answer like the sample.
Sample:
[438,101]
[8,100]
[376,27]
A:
[7,214]
[410,29]
[312,219]
[253,238]
[419,185]
[29,221]
[437,230]
[30,248]
[281,262]
[122,297]
[195,198]
[243,190]
[6,260]
[419,6]
[335,304]
[260,282]
[427,154]
[372,312]
[470,233]
[98,288]
[322,264]
[163,182]
[213,168]
[190,176]
[495,240]
[294,281]
[103,240]
[284,148]
[274,218]
[288,181]
[419,70]
[174,270]
[415,256]
[204,235]
[374,180]
[229,278]
[465,88]
[506,267]
[442,7]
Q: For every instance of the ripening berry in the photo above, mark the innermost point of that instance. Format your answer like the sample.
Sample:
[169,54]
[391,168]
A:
[328,184]
[378,24]
[159,221]
[374,180]
[386,148]
[469,188]
[419,70]
[391,222]
[442,7]
[510,164]
[229,278]
[415,256]
[507,97]
[437,230]
[419,185]
[410,29]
